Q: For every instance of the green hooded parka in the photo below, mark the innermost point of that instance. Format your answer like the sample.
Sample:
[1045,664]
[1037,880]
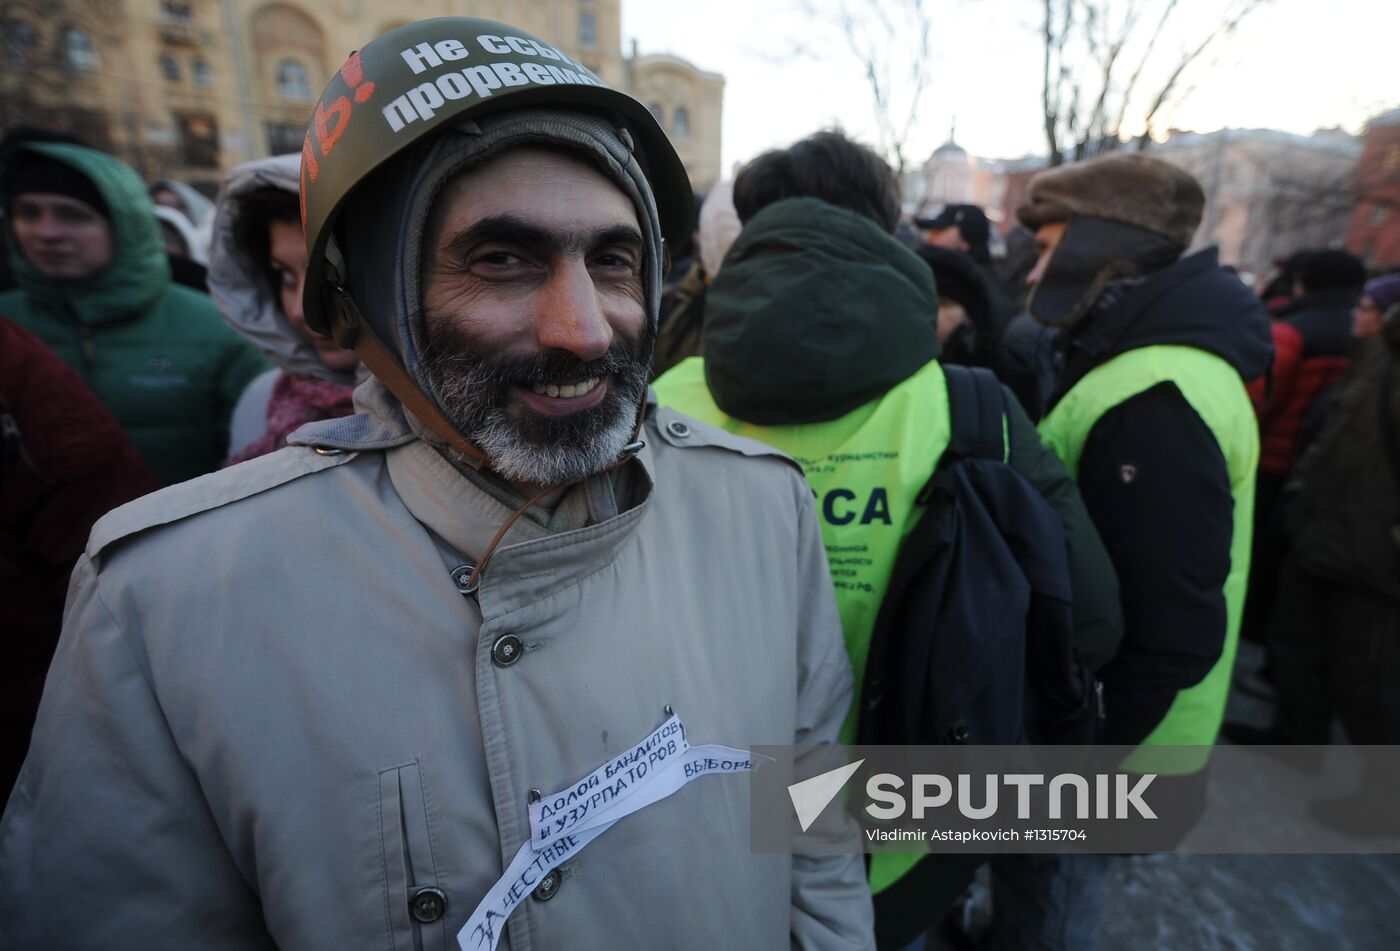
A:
[157,355]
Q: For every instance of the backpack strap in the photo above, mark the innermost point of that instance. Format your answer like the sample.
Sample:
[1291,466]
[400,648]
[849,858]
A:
[977,414]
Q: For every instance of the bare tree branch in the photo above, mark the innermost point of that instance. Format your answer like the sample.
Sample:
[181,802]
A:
[1049,107]
[1086,99]
[873,31]
[1224,29]
[1146,55]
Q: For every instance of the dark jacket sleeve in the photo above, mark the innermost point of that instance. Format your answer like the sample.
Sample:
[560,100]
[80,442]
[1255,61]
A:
[1098,616]
[1156,484]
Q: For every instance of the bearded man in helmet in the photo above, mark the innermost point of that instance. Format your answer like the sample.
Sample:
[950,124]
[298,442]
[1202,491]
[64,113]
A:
[385,687]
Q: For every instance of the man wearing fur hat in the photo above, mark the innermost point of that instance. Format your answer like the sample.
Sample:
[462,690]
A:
[470,667]
[1152,419]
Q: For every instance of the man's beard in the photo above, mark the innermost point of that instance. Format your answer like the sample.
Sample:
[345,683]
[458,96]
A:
[522,445]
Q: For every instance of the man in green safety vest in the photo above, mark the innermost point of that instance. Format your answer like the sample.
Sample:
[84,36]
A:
[820,339]
[1151,417]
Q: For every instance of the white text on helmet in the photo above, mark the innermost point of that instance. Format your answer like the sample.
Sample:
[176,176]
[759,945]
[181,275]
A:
[423,101]
[423,56]
[518,44]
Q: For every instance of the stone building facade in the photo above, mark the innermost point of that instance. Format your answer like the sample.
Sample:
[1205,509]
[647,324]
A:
[187,89]
[1268,193]
[688,102]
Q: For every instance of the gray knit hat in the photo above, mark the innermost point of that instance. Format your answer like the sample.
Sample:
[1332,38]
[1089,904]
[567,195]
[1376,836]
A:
[1133,190]
[383,229]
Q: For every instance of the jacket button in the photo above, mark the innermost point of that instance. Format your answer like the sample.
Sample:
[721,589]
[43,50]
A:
[461,577]
[428,905]
[959,733]
[678,429]
[548,887]
[506,650]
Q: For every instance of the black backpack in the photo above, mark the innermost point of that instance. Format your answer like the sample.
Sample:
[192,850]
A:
[974,641]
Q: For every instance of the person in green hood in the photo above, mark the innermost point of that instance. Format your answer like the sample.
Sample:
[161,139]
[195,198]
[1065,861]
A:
[94,284]
[820,338]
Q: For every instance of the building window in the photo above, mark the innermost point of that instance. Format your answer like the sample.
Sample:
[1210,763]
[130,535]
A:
[169,67]
[588,30]
[177,24]
[21,39]
[203,75]
[199,140]
[79,49]
[284,137]
[680,126]
[656,114]
[293,81]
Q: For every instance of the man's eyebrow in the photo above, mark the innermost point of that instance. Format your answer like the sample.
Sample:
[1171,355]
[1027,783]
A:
[617,234]
[511,229]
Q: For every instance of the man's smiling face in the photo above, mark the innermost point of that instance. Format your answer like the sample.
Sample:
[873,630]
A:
[538,342]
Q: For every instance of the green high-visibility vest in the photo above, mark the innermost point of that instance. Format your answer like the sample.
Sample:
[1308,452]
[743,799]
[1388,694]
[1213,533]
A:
[865,469]
[1215,391]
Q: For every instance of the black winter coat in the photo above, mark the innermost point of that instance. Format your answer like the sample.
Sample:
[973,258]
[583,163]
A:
[1156,483]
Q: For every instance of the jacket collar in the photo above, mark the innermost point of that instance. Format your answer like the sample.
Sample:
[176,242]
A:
[1112,324]
[528,564]
[533,561]
[1192,303]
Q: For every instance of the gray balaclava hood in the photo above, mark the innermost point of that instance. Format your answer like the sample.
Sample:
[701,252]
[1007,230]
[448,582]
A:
[383,238]
[239,285]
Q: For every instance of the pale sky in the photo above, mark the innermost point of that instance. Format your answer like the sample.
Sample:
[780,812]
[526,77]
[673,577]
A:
[1294,65]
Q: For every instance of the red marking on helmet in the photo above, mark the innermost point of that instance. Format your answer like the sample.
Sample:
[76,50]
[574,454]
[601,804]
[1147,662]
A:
[353,72]
[326,137]
[364,92]
[309,166]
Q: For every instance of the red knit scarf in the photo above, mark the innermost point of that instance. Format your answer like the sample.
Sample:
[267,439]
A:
[296,400]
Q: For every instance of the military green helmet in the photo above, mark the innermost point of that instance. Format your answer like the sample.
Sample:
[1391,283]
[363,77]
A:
[420,77]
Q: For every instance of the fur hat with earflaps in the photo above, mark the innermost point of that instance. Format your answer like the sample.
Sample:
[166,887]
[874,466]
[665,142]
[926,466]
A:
[1135,190]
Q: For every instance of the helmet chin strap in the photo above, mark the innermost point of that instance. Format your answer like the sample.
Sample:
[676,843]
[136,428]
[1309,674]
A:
[628,451]
[352,331]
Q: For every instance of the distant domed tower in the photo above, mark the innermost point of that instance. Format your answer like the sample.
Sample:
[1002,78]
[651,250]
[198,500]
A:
[949,175]
[950,151]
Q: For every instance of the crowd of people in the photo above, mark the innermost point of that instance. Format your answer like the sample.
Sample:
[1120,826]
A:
[444,460]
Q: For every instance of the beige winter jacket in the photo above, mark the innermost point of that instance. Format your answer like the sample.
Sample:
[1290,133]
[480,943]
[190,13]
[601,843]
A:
[273,718]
